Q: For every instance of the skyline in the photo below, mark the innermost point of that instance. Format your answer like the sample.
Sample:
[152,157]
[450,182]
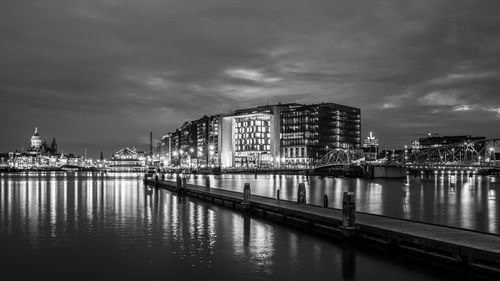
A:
[103,75]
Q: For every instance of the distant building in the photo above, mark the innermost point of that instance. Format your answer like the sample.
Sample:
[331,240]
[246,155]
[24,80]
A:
[38,155]
[36,140]
[371,146]
[39,146]
[162,152]
[194,144]
[127,160]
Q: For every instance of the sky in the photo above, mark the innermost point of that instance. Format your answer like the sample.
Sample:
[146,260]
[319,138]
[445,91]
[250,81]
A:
[102,74]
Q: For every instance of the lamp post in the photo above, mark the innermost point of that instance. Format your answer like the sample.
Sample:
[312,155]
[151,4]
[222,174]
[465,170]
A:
[492,154]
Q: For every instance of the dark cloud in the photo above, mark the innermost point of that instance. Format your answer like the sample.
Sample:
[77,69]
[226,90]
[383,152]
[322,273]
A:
[102,74]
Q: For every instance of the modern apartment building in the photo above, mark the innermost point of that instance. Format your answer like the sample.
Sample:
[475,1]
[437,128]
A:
[271,136]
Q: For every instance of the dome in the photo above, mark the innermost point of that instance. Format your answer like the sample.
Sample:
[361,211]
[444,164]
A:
[36,140]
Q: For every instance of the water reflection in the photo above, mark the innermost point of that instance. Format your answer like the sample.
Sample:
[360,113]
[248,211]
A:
[456,200]
[91,226]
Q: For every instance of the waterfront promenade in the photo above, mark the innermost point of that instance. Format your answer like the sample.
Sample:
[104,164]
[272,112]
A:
[477,251]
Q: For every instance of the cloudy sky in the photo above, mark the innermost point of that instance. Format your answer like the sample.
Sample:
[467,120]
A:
[102,74]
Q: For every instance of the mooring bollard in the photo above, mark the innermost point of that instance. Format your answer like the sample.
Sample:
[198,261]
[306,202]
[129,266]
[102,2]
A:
[325,201]
[348,213]
[301,194]
[247,193]
[207,182]
[278,194]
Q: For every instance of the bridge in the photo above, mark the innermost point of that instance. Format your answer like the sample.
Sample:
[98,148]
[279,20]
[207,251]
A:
[340,157]
[479,155]
[473,155]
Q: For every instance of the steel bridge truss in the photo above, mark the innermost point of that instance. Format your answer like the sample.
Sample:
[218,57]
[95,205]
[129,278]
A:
[474,153]
[339,157]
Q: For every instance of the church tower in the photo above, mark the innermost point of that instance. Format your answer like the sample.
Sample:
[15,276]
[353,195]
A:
[36,140]
[53,146]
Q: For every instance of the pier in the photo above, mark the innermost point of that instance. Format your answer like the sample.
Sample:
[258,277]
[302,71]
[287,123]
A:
[474,251]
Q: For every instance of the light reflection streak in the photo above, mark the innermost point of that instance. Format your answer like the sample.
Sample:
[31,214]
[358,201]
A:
[492,207]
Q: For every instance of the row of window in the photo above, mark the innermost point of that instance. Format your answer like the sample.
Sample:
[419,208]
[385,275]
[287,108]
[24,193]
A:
[252,147]
[252,129]
[294,152]
[244,141]
[252,123]
[253,136]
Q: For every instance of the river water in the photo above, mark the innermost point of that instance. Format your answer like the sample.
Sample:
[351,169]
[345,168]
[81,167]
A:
[84,226]
[454,200]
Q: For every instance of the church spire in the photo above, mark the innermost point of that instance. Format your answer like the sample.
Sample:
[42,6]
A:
[53,146]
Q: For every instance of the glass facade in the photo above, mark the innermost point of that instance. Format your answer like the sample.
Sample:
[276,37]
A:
[252,140]
[308,132]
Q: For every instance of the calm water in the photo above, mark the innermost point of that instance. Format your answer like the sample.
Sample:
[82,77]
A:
[461,201]
[89,227]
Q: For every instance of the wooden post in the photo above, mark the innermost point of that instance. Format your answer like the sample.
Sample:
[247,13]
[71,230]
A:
[278,194]
[348,213]
[156,180]
[184,182]
[247,193]
[301,194]
[325,201]
[207,182]
[162,176]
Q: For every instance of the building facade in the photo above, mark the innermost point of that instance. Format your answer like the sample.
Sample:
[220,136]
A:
[194,144]
[250,138]
[370,147]
[308,132]
[127,160]
[271,136]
